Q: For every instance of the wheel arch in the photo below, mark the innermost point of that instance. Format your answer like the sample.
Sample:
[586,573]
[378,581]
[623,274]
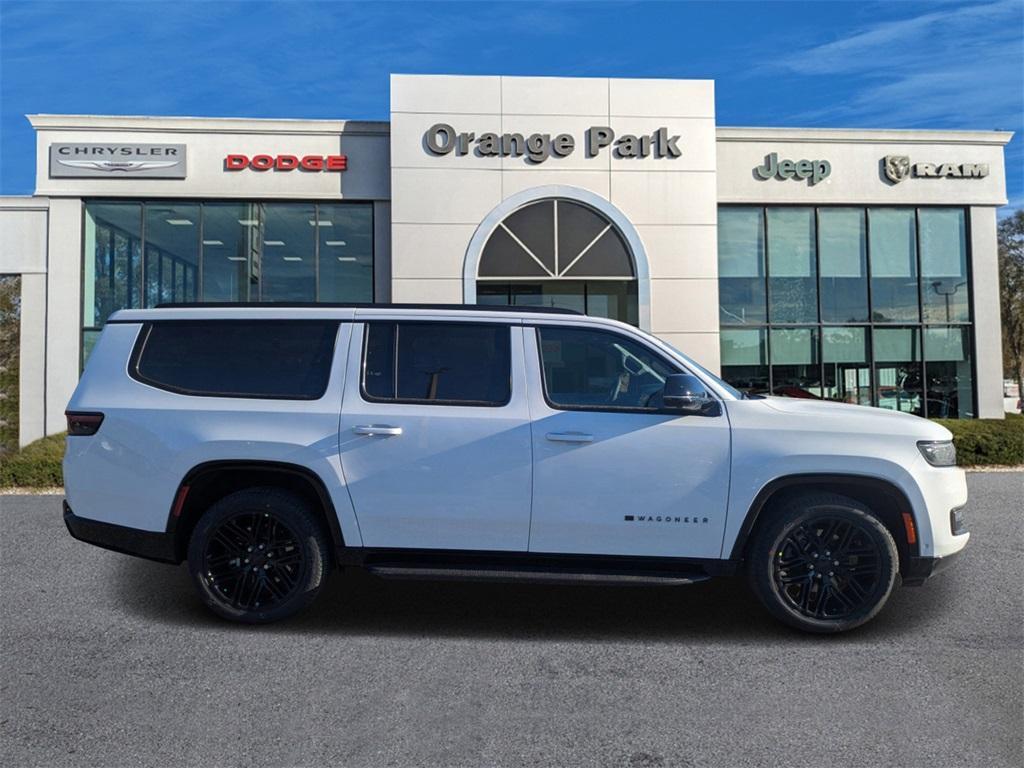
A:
[207,483]
[883,497]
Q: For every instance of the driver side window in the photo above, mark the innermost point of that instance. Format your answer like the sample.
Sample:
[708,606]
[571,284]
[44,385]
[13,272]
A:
[585,369]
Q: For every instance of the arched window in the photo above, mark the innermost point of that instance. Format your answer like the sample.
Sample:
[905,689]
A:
[557,252]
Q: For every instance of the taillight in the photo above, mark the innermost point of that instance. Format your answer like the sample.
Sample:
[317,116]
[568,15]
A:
[83,424]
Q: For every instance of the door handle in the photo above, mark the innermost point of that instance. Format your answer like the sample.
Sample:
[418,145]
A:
[384,430]
[569,437]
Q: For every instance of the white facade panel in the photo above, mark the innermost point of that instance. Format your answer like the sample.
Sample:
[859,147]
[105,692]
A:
[22,235]
[63,309]
[987,327]
[857,173]
[32,359]
[554,96]
[438,196]
[681,250]
[652,98]
[665,198]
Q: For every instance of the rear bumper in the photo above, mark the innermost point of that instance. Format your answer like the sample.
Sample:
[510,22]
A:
[151,545]
[920,569]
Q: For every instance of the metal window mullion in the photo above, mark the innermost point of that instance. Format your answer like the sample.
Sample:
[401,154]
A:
[871,306]
[817,282]
[202,255]
[767,303]
[920,309]
[144,252]
[316,252]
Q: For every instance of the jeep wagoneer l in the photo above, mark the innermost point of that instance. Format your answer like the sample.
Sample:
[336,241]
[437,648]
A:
[269,445]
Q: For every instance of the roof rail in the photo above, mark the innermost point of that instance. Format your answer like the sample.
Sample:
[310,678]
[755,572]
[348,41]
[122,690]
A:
[363,305]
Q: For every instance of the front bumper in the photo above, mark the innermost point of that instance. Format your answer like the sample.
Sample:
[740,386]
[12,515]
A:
[920,569]
[152,545]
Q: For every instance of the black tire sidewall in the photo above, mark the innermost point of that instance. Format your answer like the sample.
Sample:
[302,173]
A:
[760,568]
[296,515]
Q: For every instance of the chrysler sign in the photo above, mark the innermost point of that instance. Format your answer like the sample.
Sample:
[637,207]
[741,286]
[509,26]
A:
[116,161]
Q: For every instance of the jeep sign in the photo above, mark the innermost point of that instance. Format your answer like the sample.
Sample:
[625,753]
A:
[812,170]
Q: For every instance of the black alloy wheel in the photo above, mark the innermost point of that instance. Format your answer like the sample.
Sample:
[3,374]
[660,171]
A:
[258,555]
[823,563]
[827,568]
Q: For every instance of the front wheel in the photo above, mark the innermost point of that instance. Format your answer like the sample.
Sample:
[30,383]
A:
[258,556]
[823,563]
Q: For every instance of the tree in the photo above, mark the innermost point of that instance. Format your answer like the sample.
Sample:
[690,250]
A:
[1011,295]
[10,325]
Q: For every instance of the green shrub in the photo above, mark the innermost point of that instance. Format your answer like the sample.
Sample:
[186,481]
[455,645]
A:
[37,465]
[987,442]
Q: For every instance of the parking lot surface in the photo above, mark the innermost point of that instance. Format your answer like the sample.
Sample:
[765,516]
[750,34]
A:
[111,661]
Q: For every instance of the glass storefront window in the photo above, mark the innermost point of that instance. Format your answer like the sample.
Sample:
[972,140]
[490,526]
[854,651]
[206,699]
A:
[792,274]
[615,299]
[288,263]
[842,250]
[943,265]
[794,356]
[230,245]
[112,278]
[950,390]
[741,277]
[893,248]
[745,359]
[145,253]
[345,247]
[898,369]
[172,253]
[856,279]
[844,351]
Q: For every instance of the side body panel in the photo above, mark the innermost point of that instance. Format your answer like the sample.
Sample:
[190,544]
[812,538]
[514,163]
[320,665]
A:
[773,438]
[129,471]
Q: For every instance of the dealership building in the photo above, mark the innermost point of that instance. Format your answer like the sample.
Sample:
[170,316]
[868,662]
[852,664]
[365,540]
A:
[854,265]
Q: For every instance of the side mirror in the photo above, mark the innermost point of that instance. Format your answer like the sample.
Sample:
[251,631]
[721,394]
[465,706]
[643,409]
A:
[684,392]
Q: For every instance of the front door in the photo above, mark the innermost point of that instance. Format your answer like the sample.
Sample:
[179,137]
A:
[435,435]
[614,472]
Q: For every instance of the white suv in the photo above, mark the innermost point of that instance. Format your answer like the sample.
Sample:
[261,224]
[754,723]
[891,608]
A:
[268,444]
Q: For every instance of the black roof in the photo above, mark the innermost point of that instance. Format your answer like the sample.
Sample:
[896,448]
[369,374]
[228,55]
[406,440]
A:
[330,305]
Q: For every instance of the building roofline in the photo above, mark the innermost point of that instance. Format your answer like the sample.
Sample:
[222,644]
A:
[862,135]
[142,123]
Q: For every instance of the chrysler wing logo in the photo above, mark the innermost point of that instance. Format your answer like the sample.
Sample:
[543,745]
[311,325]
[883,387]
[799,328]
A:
[897,168]
[125,166]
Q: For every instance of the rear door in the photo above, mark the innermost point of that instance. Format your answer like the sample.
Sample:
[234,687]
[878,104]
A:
[435,435]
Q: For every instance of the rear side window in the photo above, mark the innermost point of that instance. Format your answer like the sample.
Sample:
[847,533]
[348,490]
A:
[440,363]
[274,359]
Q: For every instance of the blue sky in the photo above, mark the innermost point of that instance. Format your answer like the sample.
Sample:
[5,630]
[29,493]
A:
[835,64]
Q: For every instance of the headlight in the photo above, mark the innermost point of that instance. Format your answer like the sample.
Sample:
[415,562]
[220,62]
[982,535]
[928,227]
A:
[938,453]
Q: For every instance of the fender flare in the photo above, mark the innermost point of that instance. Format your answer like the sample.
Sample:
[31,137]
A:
[836,481]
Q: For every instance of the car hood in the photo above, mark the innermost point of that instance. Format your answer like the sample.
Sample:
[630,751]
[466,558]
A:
[858,418]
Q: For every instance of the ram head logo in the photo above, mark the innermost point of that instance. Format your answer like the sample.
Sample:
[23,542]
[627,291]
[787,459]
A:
[897,168]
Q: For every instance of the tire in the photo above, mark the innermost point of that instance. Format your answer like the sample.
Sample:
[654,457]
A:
[232,551]
[791,574]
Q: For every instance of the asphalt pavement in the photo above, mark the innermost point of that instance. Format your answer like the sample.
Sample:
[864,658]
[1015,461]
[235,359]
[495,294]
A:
[108,660]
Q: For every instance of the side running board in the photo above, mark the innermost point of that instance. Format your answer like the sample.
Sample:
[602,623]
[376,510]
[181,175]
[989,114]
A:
[537,575]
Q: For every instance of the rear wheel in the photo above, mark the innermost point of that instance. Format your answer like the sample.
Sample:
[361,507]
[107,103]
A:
[823,563]
[258,556]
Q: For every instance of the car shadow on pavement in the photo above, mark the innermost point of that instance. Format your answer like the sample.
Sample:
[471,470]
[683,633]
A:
[358,604]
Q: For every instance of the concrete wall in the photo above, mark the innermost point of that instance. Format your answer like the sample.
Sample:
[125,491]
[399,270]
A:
[209,141]
[988,342]
[23,251]
[438,202]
